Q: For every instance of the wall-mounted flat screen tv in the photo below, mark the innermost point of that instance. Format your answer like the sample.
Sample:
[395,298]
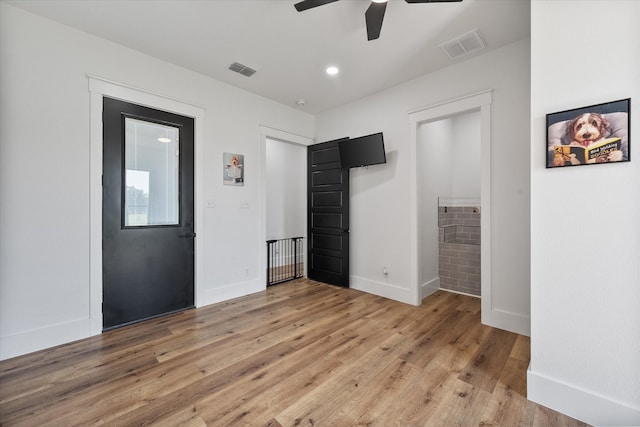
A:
[363,151]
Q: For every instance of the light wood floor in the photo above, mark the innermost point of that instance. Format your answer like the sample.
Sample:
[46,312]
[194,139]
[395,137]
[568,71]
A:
[284,273]
[300,353]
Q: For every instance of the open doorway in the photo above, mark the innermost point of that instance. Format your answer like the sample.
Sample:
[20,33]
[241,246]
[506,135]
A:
[286,210]
[449,172]
[283,204]
[476,102]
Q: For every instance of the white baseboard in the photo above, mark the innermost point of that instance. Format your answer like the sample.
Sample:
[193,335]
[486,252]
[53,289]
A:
[382,289]
[512,322]
[234,290]
[460,293]
[41,338]
[579,404]
[429,287]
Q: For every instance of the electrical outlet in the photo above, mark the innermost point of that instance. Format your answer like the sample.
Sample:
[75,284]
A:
[385,271]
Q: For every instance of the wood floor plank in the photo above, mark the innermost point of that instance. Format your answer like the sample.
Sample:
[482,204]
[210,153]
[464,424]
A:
[133,393]
[429,343]
[489,360]
[61,362]
[464,404]
[39,406]
[187,417]
[372,402]
[186,340]
[252,408]
[521,348]
[299,353]
[545,417]
[507,407]
[286,379]
[159,407]
[318,406]
[418,402]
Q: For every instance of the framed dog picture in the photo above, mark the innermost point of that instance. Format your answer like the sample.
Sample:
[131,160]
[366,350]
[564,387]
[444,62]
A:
[232,169]
[589,135]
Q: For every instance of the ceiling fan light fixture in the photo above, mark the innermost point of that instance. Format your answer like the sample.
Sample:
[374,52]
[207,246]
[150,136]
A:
[374,15]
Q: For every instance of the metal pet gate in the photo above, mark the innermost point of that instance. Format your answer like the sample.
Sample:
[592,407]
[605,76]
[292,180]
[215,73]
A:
[284,260]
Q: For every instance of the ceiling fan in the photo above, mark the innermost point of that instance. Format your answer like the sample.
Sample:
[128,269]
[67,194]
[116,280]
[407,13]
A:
[373,16]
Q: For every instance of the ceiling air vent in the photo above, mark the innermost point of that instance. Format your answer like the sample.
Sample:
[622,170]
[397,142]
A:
[464,44]
[242,69]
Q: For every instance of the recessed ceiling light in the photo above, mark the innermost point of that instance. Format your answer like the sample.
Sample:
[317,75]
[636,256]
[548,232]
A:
[332,71]
[165,140]
[379,1]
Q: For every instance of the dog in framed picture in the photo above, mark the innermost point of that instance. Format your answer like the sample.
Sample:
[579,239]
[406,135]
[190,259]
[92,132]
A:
[586,130]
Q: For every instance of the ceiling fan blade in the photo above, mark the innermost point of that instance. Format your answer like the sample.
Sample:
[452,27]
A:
[374,17]
[432,1]
[310,4]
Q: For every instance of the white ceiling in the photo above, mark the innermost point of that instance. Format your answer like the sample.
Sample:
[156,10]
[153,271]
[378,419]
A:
[290,50]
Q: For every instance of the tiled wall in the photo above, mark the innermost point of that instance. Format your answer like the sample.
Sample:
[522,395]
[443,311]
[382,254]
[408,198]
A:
[459,247]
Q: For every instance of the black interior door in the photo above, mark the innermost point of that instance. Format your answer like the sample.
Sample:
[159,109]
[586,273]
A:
[147,231]
[328,215]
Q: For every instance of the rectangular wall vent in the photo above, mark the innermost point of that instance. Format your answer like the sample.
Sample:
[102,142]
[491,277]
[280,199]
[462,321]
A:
[464,44]
[242,69]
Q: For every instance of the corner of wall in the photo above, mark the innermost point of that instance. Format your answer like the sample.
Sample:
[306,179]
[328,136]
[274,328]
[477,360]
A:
[429,287]
[386,290]
[234,290]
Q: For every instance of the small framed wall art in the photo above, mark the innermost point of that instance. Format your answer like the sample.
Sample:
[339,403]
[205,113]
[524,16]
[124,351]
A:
[589,135]
[233,169]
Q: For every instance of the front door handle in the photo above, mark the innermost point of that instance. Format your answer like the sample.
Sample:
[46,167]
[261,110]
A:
[190,235]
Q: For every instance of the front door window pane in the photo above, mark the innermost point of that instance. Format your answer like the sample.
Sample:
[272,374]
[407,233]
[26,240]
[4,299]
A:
[152,174]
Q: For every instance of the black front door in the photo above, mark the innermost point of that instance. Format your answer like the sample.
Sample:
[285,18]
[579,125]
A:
[328,211]
[147,217]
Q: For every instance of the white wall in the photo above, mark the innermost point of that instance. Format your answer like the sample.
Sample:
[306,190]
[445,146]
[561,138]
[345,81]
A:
[45,173]
[380,199]
[585,280]
[466,155]
[286,165]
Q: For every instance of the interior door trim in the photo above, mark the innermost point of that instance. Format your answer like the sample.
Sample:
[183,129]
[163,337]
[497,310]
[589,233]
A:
[99,88]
